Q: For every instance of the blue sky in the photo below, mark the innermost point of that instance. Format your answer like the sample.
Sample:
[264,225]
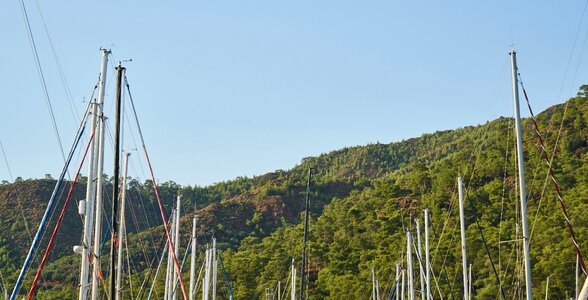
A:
[234,88]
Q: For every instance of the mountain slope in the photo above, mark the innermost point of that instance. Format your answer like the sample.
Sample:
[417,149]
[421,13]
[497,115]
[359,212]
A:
[363,199]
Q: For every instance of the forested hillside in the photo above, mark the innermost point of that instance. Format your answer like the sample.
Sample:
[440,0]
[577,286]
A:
[363,200]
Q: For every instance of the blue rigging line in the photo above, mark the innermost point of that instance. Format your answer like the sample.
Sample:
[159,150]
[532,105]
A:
[48,211]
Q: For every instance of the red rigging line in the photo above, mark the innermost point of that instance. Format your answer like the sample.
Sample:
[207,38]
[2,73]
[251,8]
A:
[58,224]
[555,184]
[169,239]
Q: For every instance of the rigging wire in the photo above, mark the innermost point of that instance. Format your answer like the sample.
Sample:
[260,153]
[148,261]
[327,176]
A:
[162,243]
[72,105]
[503,196]
[475,215]
[548,161]
[48,210]
[6,161]
[58,224]
[130,278]
[572,53]
[171,245]
[18,199]
[42,77]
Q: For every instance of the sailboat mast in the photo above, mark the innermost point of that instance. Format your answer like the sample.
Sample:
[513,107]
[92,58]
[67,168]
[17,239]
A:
[464,255]
[402,286]
[409,265]
[303,273]
[168,270]
[293,289]
[176,243]
[115,187]
[520,160]
[397,280]
[91,185]
[99,185]
[193,260]
[214,268]
[121,228]
[427,270]
[373,284]
[420,256]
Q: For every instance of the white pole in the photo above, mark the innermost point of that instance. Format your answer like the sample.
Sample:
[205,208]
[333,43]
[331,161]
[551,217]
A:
[193,260]
[214,268]
[584,292]
[547,289]
[205,280]
[88,213]
[377,290]
[397,281]
[464,255]
[170,261]
[577,277]
[420,250]
[99,147]
[121,227]
[176,243]
[522,193]
[373,284]
[470,282]
[402,289]
[293,290]
[409,265]
[427,266]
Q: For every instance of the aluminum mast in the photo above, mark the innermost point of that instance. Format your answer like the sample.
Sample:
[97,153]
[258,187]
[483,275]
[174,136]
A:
[522,191]
[464,255]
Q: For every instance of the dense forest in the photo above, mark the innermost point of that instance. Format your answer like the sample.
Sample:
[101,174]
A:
[363,200]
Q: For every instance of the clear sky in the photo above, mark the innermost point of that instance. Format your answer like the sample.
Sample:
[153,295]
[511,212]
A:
[234,88]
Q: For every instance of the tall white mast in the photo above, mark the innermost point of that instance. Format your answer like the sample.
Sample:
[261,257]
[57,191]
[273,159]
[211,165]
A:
[464,255]
[377,289]
[99,184]
[427,266]
[168,270]
[88,210]
[397,281]
[121,228]
[420,251]
[403,284]
[206,279]
[409,265]
[470,281]
[373,284]
[293,290]
[193,260]
[520,159]
[176,244]
[214,268]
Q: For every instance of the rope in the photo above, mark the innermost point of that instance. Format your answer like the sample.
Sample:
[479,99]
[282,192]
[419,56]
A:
[58,224]
[555,184]
[171,244]
[475,214]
